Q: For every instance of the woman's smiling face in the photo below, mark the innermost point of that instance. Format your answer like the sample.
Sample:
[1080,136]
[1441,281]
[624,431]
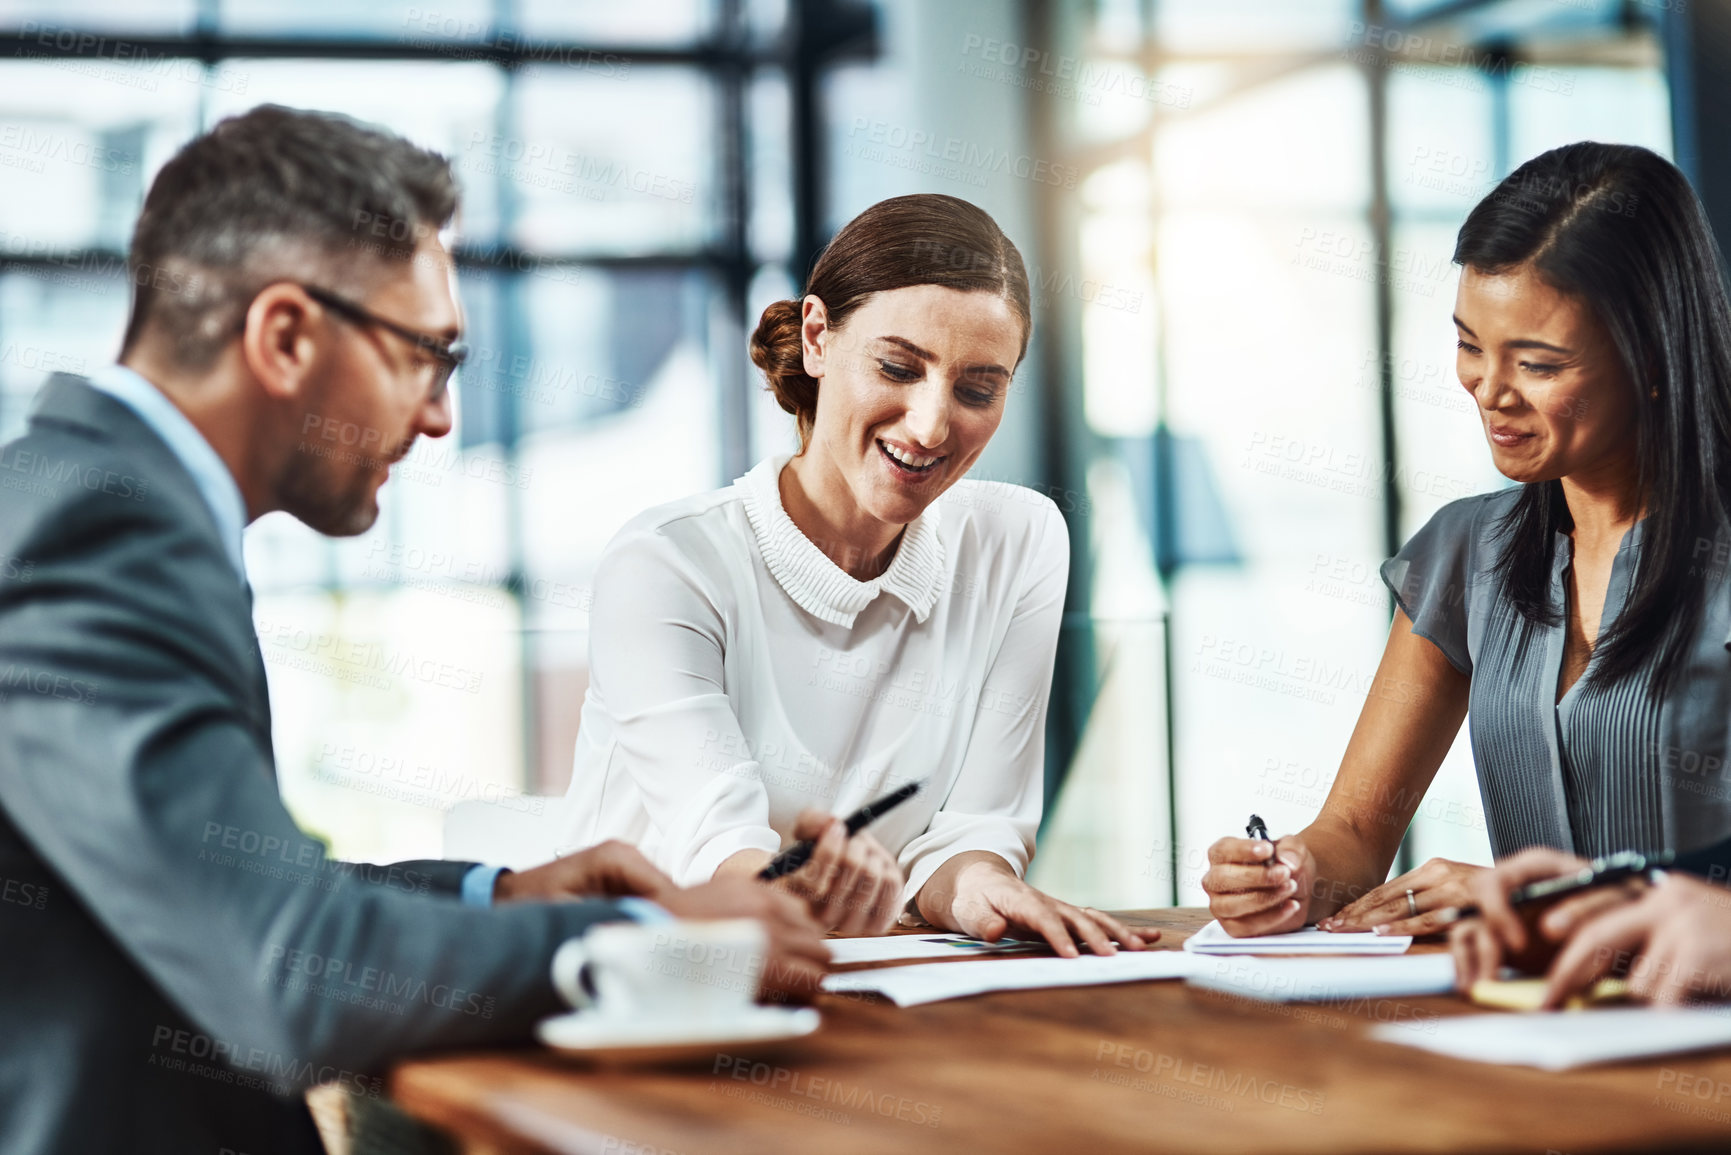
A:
[910,390]
[1546,377]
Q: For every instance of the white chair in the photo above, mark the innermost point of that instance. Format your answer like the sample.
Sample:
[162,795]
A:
[517,832]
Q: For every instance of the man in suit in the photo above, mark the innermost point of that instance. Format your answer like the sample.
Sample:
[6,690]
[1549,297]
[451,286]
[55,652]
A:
[178,962]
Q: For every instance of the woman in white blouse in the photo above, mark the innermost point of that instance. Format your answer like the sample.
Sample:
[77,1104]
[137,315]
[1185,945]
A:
[840,622]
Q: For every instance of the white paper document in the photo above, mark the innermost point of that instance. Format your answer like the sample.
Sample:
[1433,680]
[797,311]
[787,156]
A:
[893,947]
[933,982]
[1213,939]
[1310,980]
[1558,1040]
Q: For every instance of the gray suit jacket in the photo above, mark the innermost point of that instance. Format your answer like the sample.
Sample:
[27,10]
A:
[178,962]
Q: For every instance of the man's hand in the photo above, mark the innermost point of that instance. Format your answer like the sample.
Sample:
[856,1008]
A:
[613,869]
[1674,941]
[795,955]
[1500,935]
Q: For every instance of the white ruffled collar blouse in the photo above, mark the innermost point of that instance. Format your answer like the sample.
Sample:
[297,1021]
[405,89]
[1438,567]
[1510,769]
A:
[738,675]
[819,586]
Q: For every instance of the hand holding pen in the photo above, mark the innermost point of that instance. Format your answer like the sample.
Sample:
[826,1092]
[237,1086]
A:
[1253,887]
[1532,903]
[852,883]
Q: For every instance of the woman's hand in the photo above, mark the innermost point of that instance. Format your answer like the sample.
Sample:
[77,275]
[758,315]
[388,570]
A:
[1439,889]
[1674,941]
[1258,887]
[978,894]
[854,885]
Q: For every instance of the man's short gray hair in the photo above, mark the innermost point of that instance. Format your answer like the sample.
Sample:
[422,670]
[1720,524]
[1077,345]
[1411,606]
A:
[275,194]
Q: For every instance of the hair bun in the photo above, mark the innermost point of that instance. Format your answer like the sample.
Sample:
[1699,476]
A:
[776,349]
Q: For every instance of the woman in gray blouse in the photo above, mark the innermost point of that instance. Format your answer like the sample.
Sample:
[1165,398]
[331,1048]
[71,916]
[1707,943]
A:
[1582,615]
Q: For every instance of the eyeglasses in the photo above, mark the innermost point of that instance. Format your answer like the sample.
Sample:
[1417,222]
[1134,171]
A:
[447,355]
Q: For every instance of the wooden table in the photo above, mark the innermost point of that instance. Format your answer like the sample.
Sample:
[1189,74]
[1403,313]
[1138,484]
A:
[1150,1066]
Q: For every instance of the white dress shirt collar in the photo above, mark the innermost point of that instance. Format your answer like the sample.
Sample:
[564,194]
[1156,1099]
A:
[819,586]
[209,473]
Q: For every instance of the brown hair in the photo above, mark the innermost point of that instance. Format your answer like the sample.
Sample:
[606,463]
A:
[923,239]
[275,194]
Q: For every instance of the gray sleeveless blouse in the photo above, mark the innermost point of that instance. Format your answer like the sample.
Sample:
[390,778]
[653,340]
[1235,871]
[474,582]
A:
[1605,769]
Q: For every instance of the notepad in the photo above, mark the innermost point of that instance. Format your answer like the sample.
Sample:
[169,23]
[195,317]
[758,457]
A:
[1528,994]
[1213,939]
[934,982]
[1559,1040]
[892,948]
[1307,980]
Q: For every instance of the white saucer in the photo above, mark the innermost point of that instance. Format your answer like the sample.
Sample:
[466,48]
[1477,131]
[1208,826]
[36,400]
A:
[616,1040]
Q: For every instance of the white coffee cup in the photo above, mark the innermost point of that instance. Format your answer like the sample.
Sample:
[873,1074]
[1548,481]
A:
[687,970]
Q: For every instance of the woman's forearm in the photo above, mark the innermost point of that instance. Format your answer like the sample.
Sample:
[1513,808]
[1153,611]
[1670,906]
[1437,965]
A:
[1410,718]
[1348,863]
[936,900]
[743,864]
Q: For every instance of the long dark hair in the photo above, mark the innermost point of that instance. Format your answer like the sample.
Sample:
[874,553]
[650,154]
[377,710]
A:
[1619,228]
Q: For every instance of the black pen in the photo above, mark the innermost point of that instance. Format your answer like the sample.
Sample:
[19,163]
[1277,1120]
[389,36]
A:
[796,855]
[1613,868]
[1258,829]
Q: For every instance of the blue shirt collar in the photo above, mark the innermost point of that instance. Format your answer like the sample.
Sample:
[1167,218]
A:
[212,477]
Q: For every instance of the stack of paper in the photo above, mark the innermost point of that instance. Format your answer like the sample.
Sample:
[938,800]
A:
[890,948]
[911,986]
[1301,980]
[1213,939]
[1558,1040]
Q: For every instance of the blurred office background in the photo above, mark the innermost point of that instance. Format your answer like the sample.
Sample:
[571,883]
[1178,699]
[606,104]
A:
[1238,215]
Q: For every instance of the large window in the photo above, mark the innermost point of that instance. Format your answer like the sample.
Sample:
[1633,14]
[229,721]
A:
[626,188]
[1238,216]
[1281,410]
